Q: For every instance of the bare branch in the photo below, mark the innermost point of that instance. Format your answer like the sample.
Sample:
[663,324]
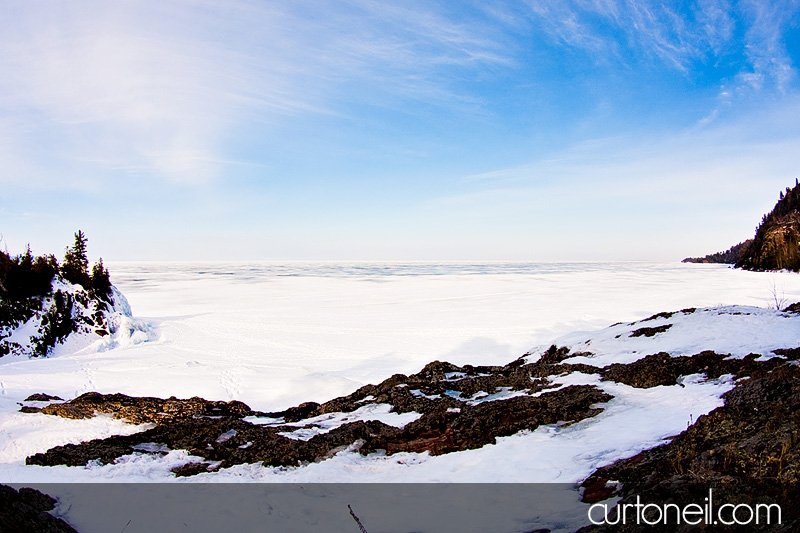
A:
[361,527]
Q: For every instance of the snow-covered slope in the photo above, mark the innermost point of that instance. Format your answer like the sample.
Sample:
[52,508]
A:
[69,320]
[634,419]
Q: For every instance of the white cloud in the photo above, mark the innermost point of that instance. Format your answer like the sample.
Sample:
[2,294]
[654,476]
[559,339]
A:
[717,23]
[159,88]
[112,82]
[603,27]
[677,39]
[764,43]
[699,173]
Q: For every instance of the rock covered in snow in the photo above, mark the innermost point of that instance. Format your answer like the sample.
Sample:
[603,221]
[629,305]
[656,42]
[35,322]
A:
[230,433]
[71,318]
[608,379]
[745,451]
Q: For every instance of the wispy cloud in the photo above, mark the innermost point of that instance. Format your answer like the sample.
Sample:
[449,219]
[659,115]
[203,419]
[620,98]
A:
[766,53]
[700,168]
[160,87]
[677,39]
[181,109]
[603,28]
[117,82]
[569,24]
[716,22]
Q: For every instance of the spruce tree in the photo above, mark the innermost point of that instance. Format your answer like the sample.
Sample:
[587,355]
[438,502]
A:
[101,282]
[76,265]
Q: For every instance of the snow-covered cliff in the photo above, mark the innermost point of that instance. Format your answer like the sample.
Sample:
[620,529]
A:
[69,319]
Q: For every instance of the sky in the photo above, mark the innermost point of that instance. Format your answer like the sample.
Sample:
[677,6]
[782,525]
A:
[366,130]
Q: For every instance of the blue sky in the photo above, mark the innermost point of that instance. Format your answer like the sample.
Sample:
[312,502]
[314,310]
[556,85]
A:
[358,129]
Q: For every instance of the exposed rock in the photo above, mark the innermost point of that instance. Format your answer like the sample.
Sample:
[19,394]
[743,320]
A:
[460,408]
[192,469]
[433,380]
[650,332]
[25,511]
[793,354]
[441,431]
[793,308]
[437,431]
[776,245]
[449,398]
[746,451]
[666,315]
[42,304]
[42,397]
[144,409]
[664,369]
[68,310]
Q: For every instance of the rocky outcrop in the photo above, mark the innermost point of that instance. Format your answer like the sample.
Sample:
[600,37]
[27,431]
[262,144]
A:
[663,369]
[448,398]
[458,407]
[69,311]
[143,409]
[746,452]
[44,304]
[25,510]
[776,245]
[42,397]
[71,316]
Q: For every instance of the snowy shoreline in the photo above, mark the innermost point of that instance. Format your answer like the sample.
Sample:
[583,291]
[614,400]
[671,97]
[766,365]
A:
[263,340]
[550,453]
[627,362]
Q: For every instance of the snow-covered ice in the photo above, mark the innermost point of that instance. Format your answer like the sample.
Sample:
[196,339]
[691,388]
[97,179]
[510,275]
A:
[325,423]
[276,335]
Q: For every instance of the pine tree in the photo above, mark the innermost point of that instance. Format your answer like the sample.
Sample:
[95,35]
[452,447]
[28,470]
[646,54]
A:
[101,282]
[76,265]
[45,267]
[26,260]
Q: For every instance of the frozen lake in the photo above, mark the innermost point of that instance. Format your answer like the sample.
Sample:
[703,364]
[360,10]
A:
[277,334]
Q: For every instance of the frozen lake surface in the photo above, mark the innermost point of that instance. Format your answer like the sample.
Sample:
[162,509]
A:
[277,334]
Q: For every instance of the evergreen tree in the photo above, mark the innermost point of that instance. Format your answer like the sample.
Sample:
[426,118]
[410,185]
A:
[45,267]
[101,282]
[24,276]
[26,260]
[76,265]
[776,245]
[26,280]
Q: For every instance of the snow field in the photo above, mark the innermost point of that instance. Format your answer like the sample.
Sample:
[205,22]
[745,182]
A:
[312,332]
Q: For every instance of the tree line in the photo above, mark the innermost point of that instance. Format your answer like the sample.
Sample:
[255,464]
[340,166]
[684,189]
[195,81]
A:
[776,244]
[25,276]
